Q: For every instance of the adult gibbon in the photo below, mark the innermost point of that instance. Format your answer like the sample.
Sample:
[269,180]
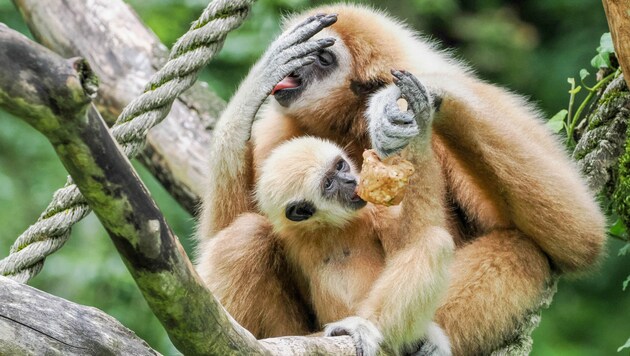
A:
[516,206]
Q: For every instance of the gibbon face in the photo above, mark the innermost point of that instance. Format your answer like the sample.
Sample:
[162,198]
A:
[332,92]
[291,88]
[308,183]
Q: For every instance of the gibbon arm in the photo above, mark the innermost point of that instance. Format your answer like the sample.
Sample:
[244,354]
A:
[230,171]
[403,300]
[503,146]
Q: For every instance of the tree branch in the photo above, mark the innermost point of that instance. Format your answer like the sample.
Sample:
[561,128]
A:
[53,95]
[33,322]
[177,150]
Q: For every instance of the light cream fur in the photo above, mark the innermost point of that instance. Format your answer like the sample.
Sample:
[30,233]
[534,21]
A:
[524,209]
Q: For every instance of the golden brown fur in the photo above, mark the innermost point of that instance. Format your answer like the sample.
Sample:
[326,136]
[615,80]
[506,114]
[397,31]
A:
[524,210]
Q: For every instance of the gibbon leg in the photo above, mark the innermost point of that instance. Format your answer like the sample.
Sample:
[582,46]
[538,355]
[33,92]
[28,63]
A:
[244,269]
[495,280]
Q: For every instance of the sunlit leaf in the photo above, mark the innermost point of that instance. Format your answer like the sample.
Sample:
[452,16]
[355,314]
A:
[625,346]
[556,123]
[584,73]
[625,283]
[624,250]
[606,44]
[602,60]
[571,81]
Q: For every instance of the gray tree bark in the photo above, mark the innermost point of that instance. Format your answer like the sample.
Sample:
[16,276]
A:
[36,323]
[177,149]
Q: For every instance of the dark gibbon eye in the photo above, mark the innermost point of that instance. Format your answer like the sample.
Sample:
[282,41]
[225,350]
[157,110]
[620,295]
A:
[300,210]
[328,183]
[325,58]
[341,165]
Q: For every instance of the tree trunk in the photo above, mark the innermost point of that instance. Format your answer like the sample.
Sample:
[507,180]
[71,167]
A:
[618,16]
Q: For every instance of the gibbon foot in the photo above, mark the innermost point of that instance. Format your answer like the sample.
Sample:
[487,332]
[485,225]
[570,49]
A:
[365,335]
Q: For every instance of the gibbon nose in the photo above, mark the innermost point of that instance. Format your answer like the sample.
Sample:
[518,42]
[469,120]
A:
[348,180]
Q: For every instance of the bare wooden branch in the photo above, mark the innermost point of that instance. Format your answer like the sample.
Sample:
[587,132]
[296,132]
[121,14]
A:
[177,149]
[53,95]
[618,16]
[36,323]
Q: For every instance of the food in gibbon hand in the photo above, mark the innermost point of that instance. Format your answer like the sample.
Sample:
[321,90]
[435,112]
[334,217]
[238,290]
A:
[383,182]
[515,203]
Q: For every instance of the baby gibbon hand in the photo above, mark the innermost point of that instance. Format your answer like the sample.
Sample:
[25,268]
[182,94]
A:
[365,335]
[391,129]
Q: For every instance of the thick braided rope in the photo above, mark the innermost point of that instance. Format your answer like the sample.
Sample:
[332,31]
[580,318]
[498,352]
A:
[188,56]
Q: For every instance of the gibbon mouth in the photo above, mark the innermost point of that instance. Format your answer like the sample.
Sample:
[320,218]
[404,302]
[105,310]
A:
[290,82]
[356,202]
[287,90]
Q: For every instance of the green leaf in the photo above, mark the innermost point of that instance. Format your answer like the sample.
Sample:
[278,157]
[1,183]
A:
[602,60]
[618,228]
[625,283]
[606,44]
[584,73]
[625,249]
[556,123]
[571,81]
[625,346]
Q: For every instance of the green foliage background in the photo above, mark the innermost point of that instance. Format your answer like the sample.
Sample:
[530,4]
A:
[529,46]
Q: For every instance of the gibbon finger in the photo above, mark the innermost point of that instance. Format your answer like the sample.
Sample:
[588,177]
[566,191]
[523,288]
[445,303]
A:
[306,30]
[294,64]
[304,49]
[413,91]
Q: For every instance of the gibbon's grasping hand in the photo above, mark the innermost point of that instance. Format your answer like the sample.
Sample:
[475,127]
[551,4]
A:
[391,128]
[288,53]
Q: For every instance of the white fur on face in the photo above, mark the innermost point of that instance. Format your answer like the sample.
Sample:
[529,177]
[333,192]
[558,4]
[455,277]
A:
[293,172]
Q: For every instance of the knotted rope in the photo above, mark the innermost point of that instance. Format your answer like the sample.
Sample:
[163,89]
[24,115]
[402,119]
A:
[188,56]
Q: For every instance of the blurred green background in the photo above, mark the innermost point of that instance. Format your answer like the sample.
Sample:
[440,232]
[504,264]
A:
[529,46]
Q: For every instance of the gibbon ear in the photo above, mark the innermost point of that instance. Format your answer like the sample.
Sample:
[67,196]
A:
[300,210]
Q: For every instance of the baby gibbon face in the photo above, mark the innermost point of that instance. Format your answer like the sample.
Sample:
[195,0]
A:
[308,183]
